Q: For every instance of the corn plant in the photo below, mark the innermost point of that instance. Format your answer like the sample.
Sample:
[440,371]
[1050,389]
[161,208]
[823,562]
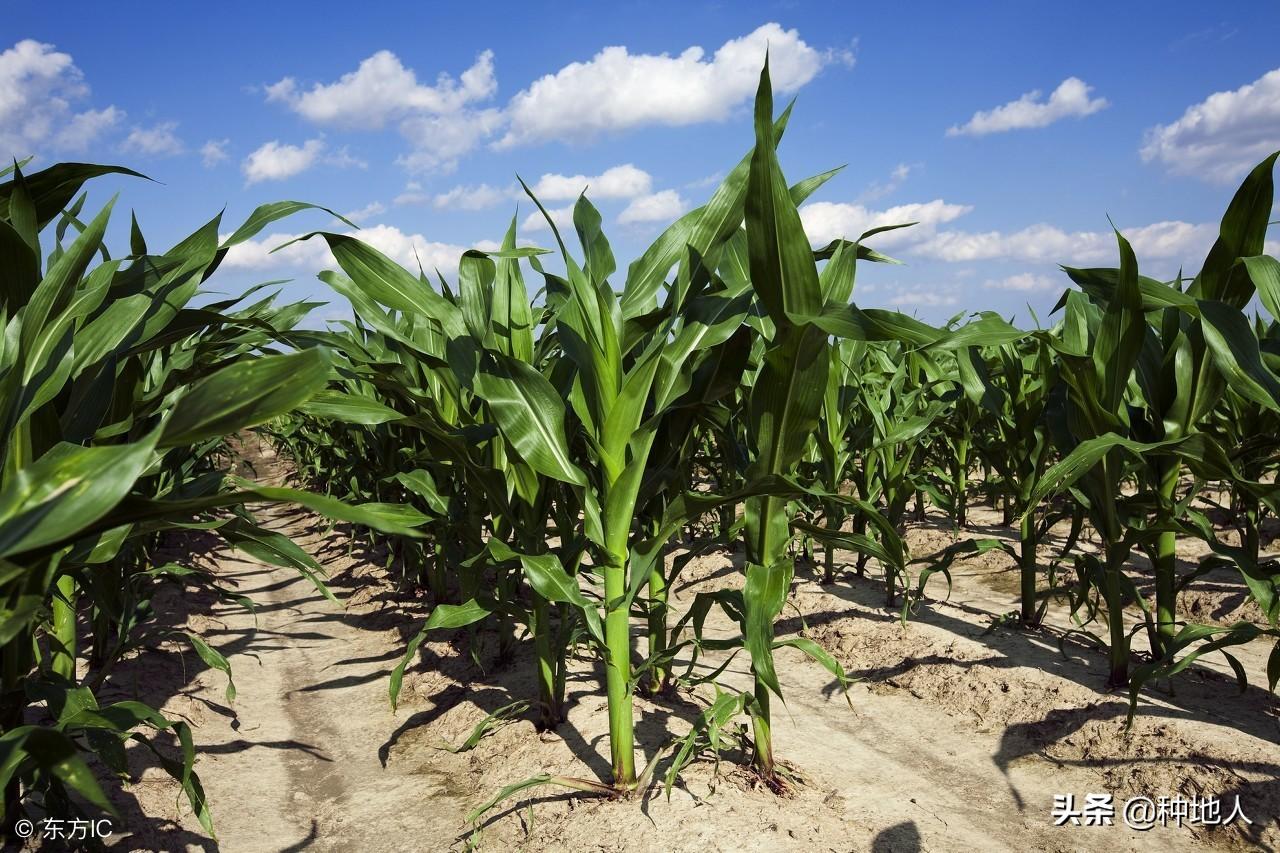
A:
[1019,388]
[835,445]
[115,398]
[1115,363]
[806,308]
[609,372]
[965,408]
[553,448]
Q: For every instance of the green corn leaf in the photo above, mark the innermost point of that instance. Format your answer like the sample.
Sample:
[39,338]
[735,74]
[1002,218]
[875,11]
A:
[274,549]
[66,490]
[763,596]
[1264,272]
[396,519]
[875,324]
[1273,667]
[52,189]
[54,754]
[349,408]
[530,414]
[549,579]
[444,616]
[512,315]
[819,654]
[21,266]
[422,484]
[387,283]
[596,250]
[265,214]
[784,410]
[213,658]
[1236,354]
[702,229]
[1242,234]
[1122,332]
[1101,284]
[58,286]
[783,271]
[245,394]
[476,274]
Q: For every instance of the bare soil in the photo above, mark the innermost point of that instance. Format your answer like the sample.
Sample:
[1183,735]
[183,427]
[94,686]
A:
[956,736]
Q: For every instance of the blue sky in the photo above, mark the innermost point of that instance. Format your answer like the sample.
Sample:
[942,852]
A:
[1010,131]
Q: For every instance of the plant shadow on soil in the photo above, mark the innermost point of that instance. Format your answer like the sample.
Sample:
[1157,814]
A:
[165,674]
[1063,733]
[154,678]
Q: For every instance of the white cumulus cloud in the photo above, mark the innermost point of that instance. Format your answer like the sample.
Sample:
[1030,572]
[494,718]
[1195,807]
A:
[614,90]
[275,161]
[381,89]
[1070,100]
[1224,135]
[625,181]
[825,221]
[83,129]
[38,87]
[438,121]
[1170,243]
[618,90]
[1167,241]
[439,140]
[561,216]
[664,206]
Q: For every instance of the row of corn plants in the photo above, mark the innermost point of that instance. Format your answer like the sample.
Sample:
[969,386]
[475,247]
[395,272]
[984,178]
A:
[562,444]
[533,445]
[123,383]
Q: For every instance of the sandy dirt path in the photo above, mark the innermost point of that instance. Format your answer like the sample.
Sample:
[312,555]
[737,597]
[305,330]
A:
[296,761]
[310,756]
[299,765]
[313,716]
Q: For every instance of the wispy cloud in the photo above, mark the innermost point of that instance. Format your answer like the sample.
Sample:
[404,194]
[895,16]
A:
[481,197]
[1025,282]
[214,152]
[880,189]
[370,210]
[825,221]
[160,140]
[1070,100]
